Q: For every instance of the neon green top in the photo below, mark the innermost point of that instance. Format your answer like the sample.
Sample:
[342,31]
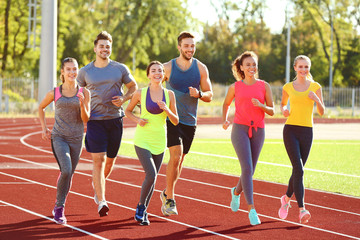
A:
[301,106]
[152,136]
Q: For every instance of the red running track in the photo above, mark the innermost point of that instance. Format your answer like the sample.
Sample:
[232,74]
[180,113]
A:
[28,174]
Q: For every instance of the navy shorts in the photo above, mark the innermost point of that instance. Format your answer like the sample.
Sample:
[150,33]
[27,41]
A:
[104,136]
[180,134]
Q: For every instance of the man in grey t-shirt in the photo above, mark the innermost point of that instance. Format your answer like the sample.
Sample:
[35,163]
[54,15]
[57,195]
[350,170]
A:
[105,79]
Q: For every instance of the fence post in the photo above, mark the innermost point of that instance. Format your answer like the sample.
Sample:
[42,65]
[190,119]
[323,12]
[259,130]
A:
[353,102]
[1,95]
[32,89]
[7,103]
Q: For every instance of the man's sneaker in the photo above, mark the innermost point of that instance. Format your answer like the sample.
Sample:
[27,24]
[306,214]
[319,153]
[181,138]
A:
[139,213]
[169,208]
[96,200]
[59,216]
[146,221]
[304,216]
[235,200]
[284,209]
[103,208]
[253,217]
[163,198]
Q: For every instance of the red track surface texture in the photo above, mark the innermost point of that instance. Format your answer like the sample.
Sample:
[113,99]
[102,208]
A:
[28,174]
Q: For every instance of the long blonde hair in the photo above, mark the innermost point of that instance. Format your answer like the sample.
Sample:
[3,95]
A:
[307,59]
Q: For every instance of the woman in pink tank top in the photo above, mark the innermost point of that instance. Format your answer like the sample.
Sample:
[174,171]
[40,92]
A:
[253,98]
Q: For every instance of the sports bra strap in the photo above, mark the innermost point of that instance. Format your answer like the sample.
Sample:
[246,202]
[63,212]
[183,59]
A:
[57,94]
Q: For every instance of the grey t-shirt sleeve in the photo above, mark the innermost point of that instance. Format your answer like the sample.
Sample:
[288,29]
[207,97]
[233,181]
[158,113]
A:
[127,76]
[81,77]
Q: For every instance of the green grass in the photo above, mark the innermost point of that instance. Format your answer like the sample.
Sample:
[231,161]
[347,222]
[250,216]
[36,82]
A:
[327,160]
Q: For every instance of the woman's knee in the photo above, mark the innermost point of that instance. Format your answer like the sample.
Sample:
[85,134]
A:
[151,176]
[66,173]
[247,172]
[298,172]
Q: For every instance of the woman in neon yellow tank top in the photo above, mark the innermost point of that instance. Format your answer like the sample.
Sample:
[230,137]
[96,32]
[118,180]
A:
[298,134]
[157,104]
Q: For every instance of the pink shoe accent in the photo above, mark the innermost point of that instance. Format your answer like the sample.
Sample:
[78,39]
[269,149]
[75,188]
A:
[304,216]
[284,209]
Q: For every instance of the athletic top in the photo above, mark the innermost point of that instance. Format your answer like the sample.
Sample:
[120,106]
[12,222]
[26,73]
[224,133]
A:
[245,112]
[103,84]
[179,82]
[151,136]
[68,122]
[151,106]
[301,106]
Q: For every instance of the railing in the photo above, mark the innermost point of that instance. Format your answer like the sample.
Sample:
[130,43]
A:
[344,101]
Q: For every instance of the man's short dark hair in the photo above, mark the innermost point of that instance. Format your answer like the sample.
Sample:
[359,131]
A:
[184,35]
[104,35]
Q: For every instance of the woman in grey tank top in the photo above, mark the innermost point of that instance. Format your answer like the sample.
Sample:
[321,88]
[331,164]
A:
[72,110]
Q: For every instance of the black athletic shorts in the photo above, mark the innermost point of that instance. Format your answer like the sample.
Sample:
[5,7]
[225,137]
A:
[180,134]
[104,136]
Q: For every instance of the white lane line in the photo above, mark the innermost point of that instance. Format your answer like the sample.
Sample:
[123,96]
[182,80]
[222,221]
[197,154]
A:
[206,154]
[267,163]
[122,206]
[279,165]
[139,170]
[186,197]
[50,219]
[15,183]
[17,128]
[280,142]
[264,195]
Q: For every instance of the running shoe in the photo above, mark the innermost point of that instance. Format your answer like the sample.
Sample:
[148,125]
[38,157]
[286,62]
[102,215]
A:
[163,197]
[253,217]
[235,200]
[139,213]
[284,209]
[103,208]
[169,208]
[304,216]
[59,215]
[146,221]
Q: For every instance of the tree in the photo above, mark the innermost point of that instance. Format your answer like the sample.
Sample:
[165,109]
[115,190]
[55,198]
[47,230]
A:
[6,35]
[319,14]
[226,39]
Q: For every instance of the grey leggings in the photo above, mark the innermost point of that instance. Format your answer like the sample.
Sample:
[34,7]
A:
[67,153]
[151,164]
[248,151]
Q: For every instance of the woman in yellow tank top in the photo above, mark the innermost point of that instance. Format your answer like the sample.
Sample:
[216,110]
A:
[156,104]
[298,134]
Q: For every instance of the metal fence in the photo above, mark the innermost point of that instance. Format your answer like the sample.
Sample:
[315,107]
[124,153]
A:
[340,97]
[342,102]
[20,95]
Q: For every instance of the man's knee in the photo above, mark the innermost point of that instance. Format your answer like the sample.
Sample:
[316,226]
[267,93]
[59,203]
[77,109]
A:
[109,162]
[98,159]
[176,156]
